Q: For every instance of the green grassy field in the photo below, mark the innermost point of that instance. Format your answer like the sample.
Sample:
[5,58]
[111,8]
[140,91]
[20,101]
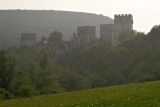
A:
[133,95]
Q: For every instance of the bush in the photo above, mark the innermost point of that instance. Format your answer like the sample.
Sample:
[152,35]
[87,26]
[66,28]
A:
[26,91]
[4,95]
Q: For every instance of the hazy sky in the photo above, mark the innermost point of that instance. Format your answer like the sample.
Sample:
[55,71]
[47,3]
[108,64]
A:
[146,12]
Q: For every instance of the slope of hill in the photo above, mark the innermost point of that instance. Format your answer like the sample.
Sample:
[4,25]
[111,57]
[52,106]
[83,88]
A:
[43,22]
[133,95]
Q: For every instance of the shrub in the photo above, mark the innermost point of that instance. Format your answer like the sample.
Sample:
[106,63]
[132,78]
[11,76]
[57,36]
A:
[4,95]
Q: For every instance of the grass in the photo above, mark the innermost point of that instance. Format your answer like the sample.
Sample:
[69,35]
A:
[133,95]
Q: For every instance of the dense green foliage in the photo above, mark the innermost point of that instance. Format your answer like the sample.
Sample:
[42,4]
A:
[133,95]
[29,71]
[134,60]
[7,69]
[4,95]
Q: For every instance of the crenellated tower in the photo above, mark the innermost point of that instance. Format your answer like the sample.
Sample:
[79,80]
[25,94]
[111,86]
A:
[123,22]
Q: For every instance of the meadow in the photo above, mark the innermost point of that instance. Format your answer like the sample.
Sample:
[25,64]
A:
[132,95]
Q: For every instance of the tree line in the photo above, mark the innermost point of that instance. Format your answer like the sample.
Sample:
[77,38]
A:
[29,71]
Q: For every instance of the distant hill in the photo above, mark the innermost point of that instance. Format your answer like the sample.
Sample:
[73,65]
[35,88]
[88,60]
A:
[133,95]
[43,22]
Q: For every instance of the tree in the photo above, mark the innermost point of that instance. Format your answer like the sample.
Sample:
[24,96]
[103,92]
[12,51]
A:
[7,69]
[23,86]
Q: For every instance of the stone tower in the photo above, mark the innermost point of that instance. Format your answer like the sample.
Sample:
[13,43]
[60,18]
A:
[86,34]
[107,32]
[28,39]
[121,23]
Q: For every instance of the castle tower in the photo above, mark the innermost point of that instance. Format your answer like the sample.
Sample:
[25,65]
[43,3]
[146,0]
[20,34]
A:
[86,34]
[121,23]
[106,32]
[28,39]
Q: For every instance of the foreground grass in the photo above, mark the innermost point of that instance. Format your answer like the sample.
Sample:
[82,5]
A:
[133,95]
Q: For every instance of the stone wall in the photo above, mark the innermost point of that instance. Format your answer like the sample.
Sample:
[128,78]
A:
[28,39]
[86,34]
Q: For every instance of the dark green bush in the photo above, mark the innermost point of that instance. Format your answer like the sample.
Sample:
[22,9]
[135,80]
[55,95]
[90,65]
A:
[4,95]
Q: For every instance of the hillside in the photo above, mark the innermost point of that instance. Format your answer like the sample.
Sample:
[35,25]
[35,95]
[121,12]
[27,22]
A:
[43,22]
[133,95]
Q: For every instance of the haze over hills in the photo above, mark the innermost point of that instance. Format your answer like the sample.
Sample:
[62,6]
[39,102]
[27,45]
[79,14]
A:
[43,22]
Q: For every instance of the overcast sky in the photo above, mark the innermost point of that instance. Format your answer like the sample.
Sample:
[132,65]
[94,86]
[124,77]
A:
[146,12]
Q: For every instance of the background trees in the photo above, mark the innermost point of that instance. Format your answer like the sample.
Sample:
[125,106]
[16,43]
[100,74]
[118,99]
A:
[7,69]
[29,71]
